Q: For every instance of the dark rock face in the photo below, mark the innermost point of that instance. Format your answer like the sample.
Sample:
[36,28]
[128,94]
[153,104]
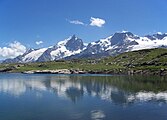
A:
[160,36]
[97,50]
[68,49]
[156,36]
[15,60]
[74,44]
[163,46]
[150,37]
[119,38]
[93,49]
[9,61]
[45,56]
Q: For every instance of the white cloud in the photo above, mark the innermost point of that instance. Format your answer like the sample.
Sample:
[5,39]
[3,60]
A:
[77,22]
[39,42]
[97,22]
[13,50]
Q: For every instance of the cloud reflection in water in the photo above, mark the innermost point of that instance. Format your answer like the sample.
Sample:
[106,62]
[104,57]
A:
[74,88]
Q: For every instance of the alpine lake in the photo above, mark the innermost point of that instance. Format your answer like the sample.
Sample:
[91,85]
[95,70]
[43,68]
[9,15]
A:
[82,97]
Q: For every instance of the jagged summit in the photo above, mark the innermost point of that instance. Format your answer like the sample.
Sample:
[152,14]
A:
[73,47]
[158,35]
[120,38]
[74,44]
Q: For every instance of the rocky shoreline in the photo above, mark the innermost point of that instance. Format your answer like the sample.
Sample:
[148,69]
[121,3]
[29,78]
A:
[59,71]
[160,72]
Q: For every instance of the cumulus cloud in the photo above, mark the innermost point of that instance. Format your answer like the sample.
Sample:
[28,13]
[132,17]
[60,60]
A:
[13,50]
[97,22]
[39,42]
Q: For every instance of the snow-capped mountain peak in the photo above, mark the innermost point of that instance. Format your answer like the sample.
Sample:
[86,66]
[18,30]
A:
[70,46]
[34,55]
[73,47]
[160,33]
[63,42]
[123,37]
[123,31]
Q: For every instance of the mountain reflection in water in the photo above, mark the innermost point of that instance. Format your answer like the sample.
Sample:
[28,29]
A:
[116,89]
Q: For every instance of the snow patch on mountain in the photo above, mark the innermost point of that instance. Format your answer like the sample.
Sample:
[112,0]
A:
[34,55]
[103,43]
[62,52]
[145,43]
[73,47]
[63,42]
[70,46]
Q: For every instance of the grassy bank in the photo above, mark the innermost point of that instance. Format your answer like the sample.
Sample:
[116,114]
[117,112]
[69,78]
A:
[150,60]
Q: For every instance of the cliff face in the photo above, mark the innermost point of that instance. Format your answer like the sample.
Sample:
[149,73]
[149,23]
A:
[74,48]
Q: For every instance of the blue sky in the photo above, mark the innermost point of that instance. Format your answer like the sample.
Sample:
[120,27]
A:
[29,21]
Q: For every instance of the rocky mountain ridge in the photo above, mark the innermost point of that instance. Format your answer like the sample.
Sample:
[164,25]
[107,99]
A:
[74,47]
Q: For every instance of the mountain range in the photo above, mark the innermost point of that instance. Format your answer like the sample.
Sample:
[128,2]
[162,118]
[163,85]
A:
[74,47]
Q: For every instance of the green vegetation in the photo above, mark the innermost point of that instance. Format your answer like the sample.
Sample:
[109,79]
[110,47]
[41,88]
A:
[149,60]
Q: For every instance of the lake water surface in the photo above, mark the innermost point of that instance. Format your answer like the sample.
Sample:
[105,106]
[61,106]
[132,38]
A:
[82,97]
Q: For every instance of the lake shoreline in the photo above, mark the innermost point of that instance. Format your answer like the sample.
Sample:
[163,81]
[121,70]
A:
[161,72]
[120,72]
